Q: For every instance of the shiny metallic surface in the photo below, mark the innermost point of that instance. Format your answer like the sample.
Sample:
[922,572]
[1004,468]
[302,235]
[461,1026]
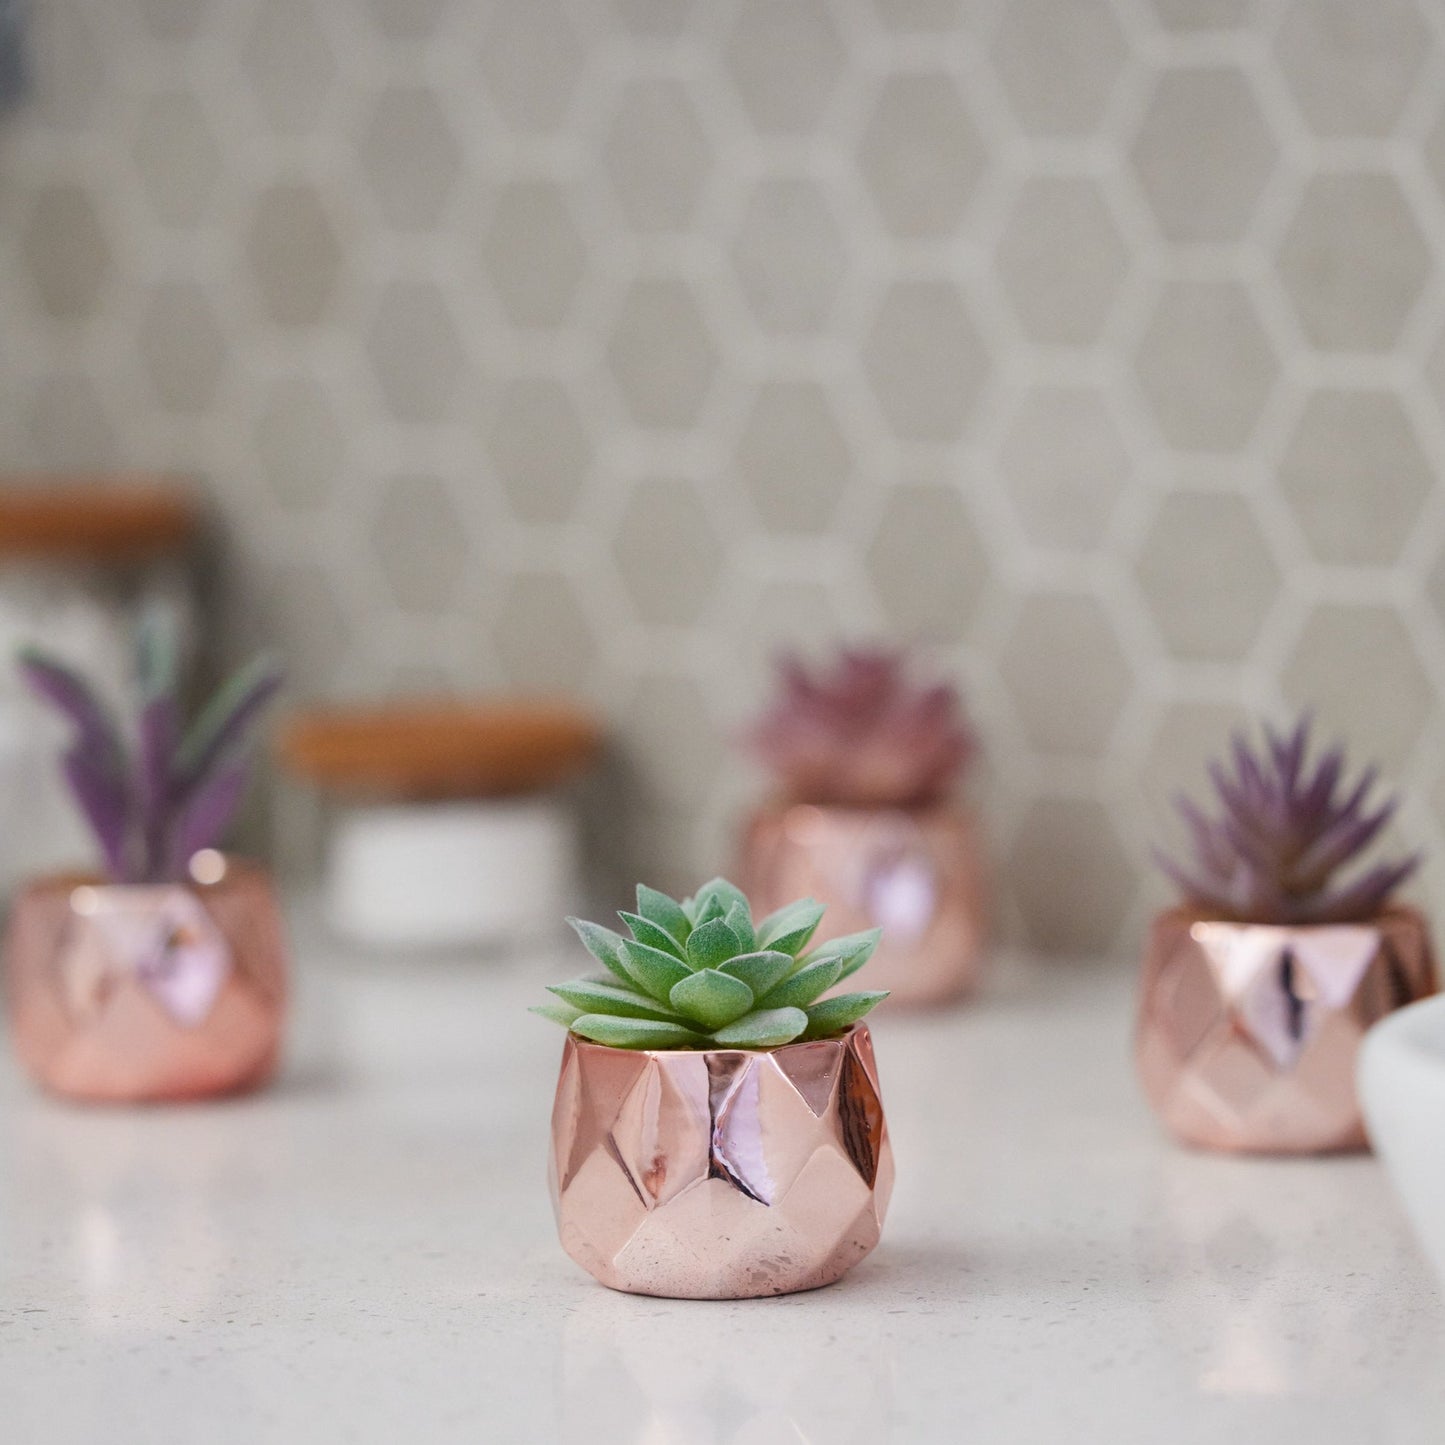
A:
[721,1174]
[129,993]
[918,874]
[1247,1033]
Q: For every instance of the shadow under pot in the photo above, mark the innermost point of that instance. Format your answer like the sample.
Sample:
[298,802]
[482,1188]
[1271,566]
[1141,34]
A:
[919,874]
[1248,1032]
[723,1173]
[141,992]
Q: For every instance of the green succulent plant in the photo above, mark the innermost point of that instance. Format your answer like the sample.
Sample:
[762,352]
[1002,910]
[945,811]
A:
[700,974]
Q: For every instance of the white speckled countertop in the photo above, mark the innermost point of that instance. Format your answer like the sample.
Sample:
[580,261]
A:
[366,1254]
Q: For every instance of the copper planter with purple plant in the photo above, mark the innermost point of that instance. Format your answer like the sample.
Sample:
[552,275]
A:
[1257,992]
[130,992]
[865,763]
[918,874]
[165,978]
[718,1129]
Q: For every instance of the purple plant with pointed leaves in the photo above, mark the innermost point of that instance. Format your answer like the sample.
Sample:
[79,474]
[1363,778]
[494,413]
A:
[1286,826]
[860,734]
[156,798]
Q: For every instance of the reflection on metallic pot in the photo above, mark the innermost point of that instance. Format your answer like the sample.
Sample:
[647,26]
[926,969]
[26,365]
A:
[918,874]
[138,992]
[1248,1032]
[720,1174]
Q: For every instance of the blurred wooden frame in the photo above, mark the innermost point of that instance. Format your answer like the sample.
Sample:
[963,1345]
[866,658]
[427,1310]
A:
[96,519]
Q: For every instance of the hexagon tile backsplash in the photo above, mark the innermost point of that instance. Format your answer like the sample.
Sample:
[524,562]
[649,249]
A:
[608,344]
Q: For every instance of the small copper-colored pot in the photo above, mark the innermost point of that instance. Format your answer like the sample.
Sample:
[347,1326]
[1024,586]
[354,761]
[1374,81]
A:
[1248,1032]
[131,992]
[917,873]
[720,1174]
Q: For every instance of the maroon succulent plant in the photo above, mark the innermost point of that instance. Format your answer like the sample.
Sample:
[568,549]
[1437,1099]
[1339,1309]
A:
[155,799]
[859,733]
[1285,828]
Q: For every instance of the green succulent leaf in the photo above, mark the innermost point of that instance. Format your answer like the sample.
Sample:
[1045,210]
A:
[740,919]
[763,1029]
[604,945]
[712,943]
[761,970]
[790,928]
[853,949]
[635,1033]
[652,970]
[837,1013]
[591,996]
[810,982]
[644,930]
[728,894]
[704,910]
[711,998]
[667,913]
[559,1013]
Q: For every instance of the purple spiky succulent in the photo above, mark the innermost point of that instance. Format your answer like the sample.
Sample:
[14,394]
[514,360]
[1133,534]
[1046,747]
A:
[859,733]
[155,797]
[1286,827]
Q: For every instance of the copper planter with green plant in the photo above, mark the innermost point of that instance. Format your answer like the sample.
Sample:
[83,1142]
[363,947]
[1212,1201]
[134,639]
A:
[164,977]
[1259,986]
[718,1130]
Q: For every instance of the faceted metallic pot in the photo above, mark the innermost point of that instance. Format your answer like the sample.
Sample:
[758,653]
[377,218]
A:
[1248,1032]
[129,992]
[918,874]
[720,1174]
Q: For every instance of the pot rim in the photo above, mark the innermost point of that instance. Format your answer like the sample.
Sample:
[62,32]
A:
[859,1027]
[1182,913]
[237,868]
[947,804]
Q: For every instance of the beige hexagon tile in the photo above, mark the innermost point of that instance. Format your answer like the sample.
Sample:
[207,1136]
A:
[410,155]
[1206,365]
[416,353]
[420,542]
[1204,15]
[182,347]
[792,457]
[789,255]
[1204,153]
[294,254]
[1070,877]
[925,361]
[1351,67]
[541,634]
[1065,672]
[1185,737]
[174,19]
[1061,259]
[1353,261]
[1207,575]
[1058,64]
[927,563]
[1355,476]
[70,70]
[65,251]
[1356,667]
[69,426]
[533,254]
[299,607]
[288,62]
[669,553]
[921,155]
[785,58]
[298,442]
[656,154]
[539,448]
[655,17]
[531,60]
[660,354]
[1065,466]
[406,19]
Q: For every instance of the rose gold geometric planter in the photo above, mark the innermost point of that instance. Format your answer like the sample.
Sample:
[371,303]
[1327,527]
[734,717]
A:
[1248,1032]
[721,1174]
[917,873]
[128,992]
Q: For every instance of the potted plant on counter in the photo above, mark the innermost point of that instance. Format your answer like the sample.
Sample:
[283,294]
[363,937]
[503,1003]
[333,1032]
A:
[863,817]
[718,1131]
[163,978]
[1258,987]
